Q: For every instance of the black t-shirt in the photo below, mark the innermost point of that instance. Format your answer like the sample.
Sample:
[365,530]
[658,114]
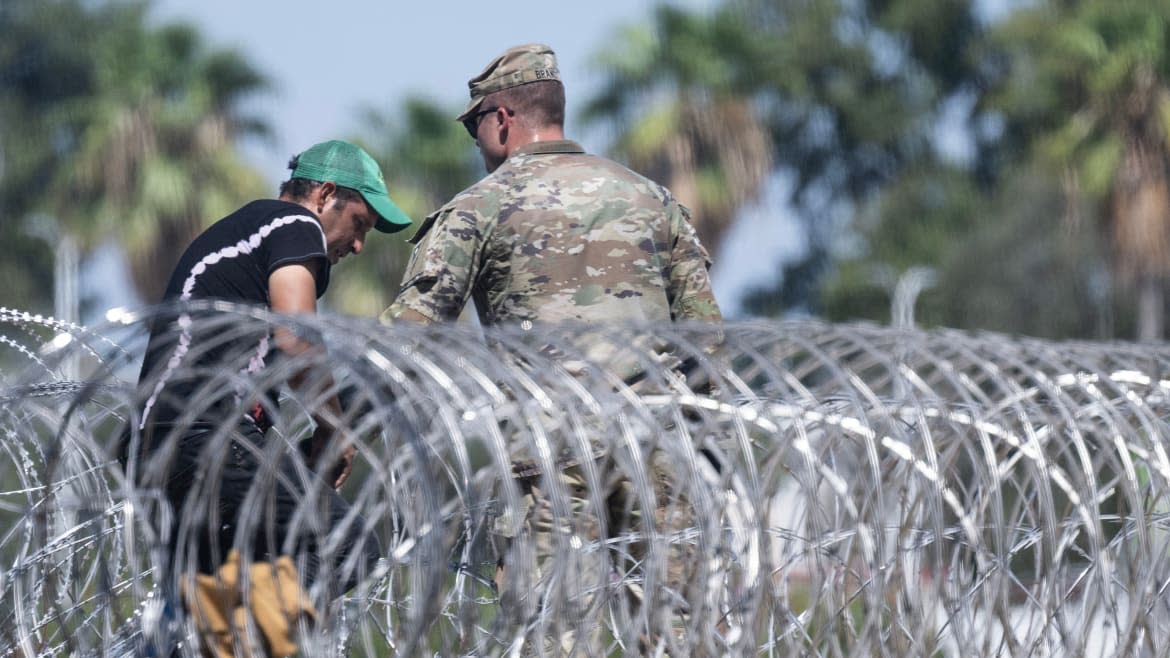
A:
[207,373]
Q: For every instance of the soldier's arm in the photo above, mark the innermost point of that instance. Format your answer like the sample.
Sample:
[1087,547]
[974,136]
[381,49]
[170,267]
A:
[442,271]
[691,297]
[399,312]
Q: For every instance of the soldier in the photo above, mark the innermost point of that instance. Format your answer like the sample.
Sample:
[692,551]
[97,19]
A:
[552,234]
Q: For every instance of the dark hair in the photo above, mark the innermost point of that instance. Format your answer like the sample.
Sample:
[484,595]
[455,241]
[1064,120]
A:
[299,188]
[536,104]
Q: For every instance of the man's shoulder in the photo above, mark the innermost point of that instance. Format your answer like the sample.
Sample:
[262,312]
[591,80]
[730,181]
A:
[270,209]
[598,174]
[479,199]
[256,223]
[472,205]
[255,215]
[575,175]
[265,218]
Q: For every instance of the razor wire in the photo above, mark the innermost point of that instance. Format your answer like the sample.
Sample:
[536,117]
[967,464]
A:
[767,488]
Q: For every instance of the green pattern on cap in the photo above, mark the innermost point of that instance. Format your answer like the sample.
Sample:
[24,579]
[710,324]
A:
[516,66]
[347,165]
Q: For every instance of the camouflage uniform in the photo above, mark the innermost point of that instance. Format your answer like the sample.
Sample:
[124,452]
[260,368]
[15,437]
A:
[555,234]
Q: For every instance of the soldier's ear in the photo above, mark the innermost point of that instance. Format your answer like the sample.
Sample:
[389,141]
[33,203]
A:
[503,123]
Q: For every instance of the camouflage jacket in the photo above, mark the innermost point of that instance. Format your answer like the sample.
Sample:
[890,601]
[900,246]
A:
[555,234]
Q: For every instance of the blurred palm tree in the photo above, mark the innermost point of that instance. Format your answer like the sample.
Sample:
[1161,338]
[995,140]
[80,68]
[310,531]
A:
[1092,81]
[44,64]
[684,120]
[427,158]
[839,96]
[155,161]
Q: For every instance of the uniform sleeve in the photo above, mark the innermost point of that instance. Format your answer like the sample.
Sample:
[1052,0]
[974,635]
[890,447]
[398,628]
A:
[691,297]
[443,267]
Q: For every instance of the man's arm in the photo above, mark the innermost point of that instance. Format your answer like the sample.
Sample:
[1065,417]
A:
[293,289]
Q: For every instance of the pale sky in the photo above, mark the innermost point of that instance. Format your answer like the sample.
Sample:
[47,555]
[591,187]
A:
[330,59]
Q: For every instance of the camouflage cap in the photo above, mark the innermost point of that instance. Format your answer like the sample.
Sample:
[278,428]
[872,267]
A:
[515,66]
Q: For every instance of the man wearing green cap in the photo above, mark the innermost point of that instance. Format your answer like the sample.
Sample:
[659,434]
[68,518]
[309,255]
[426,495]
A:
[554,234]
[198,410]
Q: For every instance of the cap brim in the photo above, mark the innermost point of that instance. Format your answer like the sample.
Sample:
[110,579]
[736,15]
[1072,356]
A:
[471,108]
[391,219]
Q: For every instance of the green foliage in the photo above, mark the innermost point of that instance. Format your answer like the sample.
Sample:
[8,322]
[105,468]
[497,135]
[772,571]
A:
[120,130]
[1070,96]
[917,221]
[1087,96]
[675,90]
[1078,69]
[1030,270]
[45,70]
[846,94]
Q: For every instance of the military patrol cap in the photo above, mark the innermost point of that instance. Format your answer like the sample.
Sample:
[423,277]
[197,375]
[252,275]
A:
[347,165]
[516,66]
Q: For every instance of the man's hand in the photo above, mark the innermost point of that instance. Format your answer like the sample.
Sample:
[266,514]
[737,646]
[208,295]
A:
[320,446]
[292,289]
[344,466]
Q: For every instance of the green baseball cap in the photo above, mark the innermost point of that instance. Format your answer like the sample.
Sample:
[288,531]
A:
[349,166]
[516,66]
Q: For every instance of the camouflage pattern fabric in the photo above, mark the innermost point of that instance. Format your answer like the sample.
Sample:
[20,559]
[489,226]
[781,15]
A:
[555,234]
[585,561]
[515,66]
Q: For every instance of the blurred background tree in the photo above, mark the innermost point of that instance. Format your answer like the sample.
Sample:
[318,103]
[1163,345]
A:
[684,114]
[1088,97]
[113,130]
[45,66]
[1020,156]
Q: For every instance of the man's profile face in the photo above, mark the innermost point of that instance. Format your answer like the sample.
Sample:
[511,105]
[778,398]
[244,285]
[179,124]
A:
[346,224]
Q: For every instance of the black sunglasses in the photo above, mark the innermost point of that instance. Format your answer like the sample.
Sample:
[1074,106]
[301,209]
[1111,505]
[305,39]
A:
[471,123]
